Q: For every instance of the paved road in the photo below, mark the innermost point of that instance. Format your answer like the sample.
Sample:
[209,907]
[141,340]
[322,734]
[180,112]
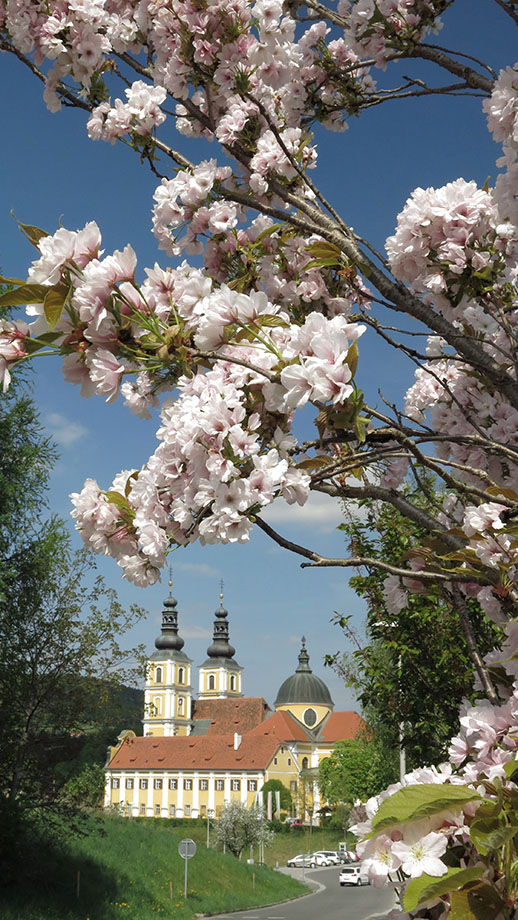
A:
[329,902]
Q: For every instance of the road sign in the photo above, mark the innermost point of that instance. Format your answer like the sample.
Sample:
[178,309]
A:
[187,848]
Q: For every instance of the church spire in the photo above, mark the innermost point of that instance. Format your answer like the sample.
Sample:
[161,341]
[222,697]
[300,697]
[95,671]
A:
[221,647]
[303,659]
[169,638]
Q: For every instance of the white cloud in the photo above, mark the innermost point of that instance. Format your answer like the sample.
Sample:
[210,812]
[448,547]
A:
[198,568]
[195,632]
[63,430]
[321,513]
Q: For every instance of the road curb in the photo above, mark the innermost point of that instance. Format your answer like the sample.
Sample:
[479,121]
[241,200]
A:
[317,888]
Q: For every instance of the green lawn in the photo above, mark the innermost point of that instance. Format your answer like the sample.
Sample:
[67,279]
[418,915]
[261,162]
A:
[286,844]
[125,873]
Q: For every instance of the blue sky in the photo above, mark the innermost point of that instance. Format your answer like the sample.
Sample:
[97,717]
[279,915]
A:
[50,171]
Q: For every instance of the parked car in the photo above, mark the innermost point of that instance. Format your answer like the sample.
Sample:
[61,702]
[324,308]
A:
[303,859]
[333,858]
[348,856]
[309,860]
[294,822]
[353,875]
[319,859]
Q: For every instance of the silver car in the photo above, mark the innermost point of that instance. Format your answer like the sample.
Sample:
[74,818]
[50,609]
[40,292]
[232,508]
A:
[303,859]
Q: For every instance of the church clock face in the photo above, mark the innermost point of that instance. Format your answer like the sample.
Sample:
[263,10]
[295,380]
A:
[310,717]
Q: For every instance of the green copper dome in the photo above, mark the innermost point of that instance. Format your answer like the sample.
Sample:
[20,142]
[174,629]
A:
[304,686]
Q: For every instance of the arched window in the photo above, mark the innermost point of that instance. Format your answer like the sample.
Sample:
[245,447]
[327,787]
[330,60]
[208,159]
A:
[305,763]
[181,675]
[233,682]
[158,675]
[180,704]
[157,706]
[212,682]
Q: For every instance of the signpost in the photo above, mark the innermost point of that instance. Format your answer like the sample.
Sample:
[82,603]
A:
[186,849]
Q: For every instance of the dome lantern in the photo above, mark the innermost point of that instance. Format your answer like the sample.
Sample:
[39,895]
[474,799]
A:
[304,687]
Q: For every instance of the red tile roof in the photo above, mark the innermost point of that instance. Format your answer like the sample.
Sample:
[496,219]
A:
[215,752]
[232,715]
[283,726]
[341,726]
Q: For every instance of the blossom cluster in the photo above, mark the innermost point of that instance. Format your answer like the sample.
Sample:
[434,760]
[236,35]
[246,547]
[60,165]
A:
[12,347]
[226,440]
[141,113]
[445,234]
[483,758]
[415,848]
[377,27]
[502,119]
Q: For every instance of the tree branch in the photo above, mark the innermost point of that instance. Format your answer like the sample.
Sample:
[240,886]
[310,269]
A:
[459,604]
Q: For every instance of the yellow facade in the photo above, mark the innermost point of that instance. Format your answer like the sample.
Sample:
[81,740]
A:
[183,794]
[216,682]
[168,697]
[300,712]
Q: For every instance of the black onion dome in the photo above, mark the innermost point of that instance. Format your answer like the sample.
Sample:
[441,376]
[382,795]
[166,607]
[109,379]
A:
[221,647]
[304,686]
[169,640]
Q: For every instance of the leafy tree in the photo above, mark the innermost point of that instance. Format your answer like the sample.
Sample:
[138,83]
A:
[273,786]
[416,667]
[60,657]
[239,827]
[357,769]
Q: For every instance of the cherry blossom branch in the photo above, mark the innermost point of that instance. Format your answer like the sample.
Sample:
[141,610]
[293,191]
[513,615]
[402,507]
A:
[439,57]
[509,9]
[219,356]
[319,561]
[61,88]
[398,501]
[458,603]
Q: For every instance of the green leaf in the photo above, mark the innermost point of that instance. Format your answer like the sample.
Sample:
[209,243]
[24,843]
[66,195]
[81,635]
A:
[360,428]
[27,293]
[313,463]
[476,901]
[16,281]
[33,345]
[268,232]
[489,808]
[129,482]
[506,493]
[427,887]
[510,769]
[115,498]
[415,802]
[30,232]
[352,358]
[322,263]
[268,319]
[54,303]
[324,250]
[491,833]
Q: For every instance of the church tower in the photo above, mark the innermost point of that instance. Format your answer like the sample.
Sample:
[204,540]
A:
[220,675]
[168,690]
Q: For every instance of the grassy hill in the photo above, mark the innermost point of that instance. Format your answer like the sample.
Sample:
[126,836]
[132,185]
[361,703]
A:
[126,868]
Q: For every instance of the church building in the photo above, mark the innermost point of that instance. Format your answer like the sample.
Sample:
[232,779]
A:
[198,753]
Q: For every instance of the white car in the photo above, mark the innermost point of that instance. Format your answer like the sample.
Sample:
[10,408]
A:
[353,875]
[333,858]
[307,860]
[319,859]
